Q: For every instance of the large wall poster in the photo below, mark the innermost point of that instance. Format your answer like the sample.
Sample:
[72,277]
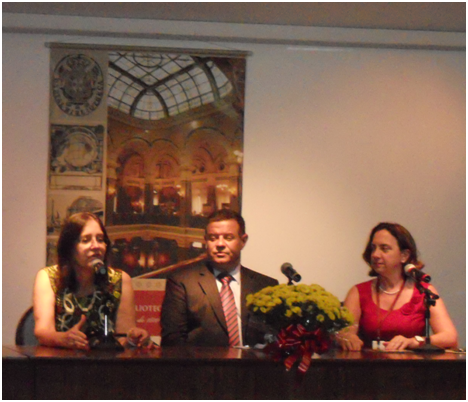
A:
[152,142]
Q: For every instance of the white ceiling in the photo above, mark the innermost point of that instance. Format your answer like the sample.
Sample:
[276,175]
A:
[449,17]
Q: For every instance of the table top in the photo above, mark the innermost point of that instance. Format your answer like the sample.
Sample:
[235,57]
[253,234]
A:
[219,354]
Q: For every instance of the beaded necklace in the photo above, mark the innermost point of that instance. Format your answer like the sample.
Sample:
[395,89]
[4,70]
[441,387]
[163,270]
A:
[90,305]
[388,293]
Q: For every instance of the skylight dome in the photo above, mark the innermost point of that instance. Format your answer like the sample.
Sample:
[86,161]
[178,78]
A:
[154,86]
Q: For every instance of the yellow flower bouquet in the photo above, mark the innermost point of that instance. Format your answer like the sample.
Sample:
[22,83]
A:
[304,316]
[310,305]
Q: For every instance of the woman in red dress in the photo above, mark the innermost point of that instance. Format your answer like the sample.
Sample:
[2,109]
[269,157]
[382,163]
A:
[390,309]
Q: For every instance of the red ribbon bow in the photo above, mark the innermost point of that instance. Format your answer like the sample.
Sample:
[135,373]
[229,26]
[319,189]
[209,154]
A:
[300,344]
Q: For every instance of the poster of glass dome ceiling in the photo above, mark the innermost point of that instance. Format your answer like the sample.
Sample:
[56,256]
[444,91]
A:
[150,141]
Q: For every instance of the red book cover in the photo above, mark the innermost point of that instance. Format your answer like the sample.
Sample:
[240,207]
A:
[149,295]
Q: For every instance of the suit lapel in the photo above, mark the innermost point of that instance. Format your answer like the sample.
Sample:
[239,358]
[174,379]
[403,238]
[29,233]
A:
[247,287]
[207,283]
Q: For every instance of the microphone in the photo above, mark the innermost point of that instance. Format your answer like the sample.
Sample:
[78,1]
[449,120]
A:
[103,338]
[288,270]
[99,267]
[416,274]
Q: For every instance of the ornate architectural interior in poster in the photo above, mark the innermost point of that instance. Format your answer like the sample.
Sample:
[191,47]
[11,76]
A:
[151,142]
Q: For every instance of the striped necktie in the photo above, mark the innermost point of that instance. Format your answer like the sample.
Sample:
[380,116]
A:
[230,311]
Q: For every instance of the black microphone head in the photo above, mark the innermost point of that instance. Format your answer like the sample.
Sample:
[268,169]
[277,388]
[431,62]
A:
[99,266]
[286,267]
[288,270]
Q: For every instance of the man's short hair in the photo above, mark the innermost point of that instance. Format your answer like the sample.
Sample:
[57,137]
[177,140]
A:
[225,215]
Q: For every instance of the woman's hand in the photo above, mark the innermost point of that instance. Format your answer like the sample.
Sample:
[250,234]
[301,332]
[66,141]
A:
[74,338]
[349,341]
[126,320]
[44,317]
[399,342]
[138,338]
[347,338]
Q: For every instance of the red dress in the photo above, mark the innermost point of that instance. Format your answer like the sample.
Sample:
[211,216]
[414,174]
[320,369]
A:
[409,320]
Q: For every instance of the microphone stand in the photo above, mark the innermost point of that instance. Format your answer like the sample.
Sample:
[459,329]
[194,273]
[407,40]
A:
[106,340]
[429,300]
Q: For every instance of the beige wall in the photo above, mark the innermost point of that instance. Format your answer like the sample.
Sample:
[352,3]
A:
[336,140]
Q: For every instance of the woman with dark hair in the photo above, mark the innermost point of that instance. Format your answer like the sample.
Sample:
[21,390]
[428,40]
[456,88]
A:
[71,299]
[390,309]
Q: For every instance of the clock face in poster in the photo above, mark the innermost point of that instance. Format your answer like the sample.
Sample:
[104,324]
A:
[80,148]
[78,85]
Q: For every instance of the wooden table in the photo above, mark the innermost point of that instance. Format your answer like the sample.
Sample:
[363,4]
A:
[222,373]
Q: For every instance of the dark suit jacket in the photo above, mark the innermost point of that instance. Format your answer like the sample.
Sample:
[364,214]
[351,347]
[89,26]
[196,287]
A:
[192,313]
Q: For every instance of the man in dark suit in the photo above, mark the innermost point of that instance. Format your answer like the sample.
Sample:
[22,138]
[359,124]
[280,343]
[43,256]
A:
[192,311]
